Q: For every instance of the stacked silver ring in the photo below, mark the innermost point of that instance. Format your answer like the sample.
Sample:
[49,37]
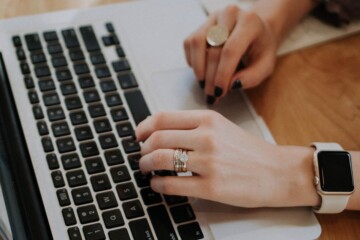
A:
[180,159]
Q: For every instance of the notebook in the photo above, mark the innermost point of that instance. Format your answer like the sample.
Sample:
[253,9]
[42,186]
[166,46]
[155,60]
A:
[74,85]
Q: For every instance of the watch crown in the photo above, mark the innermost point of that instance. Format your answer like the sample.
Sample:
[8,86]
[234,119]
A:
[316,180]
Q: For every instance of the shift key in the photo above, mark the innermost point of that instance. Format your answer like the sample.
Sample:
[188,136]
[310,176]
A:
[161,222]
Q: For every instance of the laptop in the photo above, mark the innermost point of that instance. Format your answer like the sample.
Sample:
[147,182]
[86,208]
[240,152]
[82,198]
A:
[74,85]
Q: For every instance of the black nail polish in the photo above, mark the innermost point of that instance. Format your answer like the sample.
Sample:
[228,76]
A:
[218,91]
[202,84]
[210,99]
[237,84]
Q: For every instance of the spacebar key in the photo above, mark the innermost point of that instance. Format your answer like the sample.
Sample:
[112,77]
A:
[137,105]
[161,222]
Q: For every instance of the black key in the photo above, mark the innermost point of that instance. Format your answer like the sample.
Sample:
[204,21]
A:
[16,41]
[102,72]
[126,191]
[130,145]
[29,83]
[54,48]
[108,141]
[127,80]
[91,96]
[119,114]
[52,161]
[142,180]
[100,182]
[134,161]
[70,161]
[78,118]
[102,125]
[65,145]
[83,133]
[113,99]
[73,103]
[74,233]
[182,213]
[47,144]
[133,209]
[50,36]
[113,218]
[46,85]
[94,232]
[110,27]
[88,214]
[137,105]
[38,57]
[89,149]
[69,216]
[120,174]
[76,55]
[76,178]
[165,173]
[107,86]
[24,67]
[172,199]
[68,88]
[33,42]
[117,234]
[70,38]
[190,231]
[96,110]
[81,68]
[150,197]
[60,129]
[89,38]
[110,40]
[55,114]
[140,230]
[42,128]
[121,65]
[120,52]
[82,196]
[94,165]
[114,157]
[161,222]
[51,99]
[97,58]
[42,71]
[59,61]
[20,53]
[106,200]
[58,179]
[86,82]
[63,197]
[63,75]
[125,129]
[33,97]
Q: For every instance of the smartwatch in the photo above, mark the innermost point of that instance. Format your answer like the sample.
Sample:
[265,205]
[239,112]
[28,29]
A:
[333,177]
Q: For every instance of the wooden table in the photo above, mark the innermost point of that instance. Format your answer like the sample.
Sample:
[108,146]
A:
[313,95]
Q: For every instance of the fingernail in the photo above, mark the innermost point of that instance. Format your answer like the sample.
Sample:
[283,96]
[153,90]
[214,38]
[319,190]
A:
[218,91]
[202,84]
[210,99]
[237,84]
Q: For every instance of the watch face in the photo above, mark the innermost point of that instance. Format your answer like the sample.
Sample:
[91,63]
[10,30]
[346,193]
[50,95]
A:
[335,171]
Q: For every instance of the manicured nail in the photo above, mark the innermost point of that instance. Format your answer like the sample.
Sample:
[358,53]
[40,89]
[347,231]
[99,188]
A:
[218,91]
[237,84]
[210,99]
[202,84]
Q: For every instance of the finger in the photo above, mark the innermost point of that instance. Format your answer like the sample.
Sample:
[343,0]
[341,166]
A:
[187,50]
[213,55]
[170,139]
[163,159]
[189,119]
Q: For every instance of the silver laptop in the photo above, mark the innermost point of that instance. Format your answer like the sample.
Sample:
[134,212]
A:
[74,85]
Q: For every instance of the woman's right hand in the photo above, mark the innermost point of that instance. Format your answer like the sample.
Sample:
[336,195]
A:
[216,68]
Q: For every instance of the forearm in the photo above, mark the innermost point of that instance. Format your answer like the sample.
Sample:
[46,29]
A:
[282,15]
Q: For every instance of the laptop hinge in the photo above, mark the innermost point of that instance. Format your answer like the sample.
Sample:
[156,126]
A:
[22,197]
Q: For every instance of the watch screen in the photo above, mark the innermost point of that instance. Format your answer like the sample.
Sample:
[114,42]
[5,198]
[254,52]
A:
[335,171]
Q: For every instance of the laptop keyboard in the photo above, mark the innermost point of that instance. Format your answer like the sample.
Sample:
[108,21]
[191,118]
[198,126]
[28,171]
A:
[83,117]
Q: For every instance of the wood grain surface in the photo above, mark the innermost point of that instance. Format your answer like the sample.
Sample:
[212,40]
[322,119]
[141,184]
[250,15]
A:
[313,95]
